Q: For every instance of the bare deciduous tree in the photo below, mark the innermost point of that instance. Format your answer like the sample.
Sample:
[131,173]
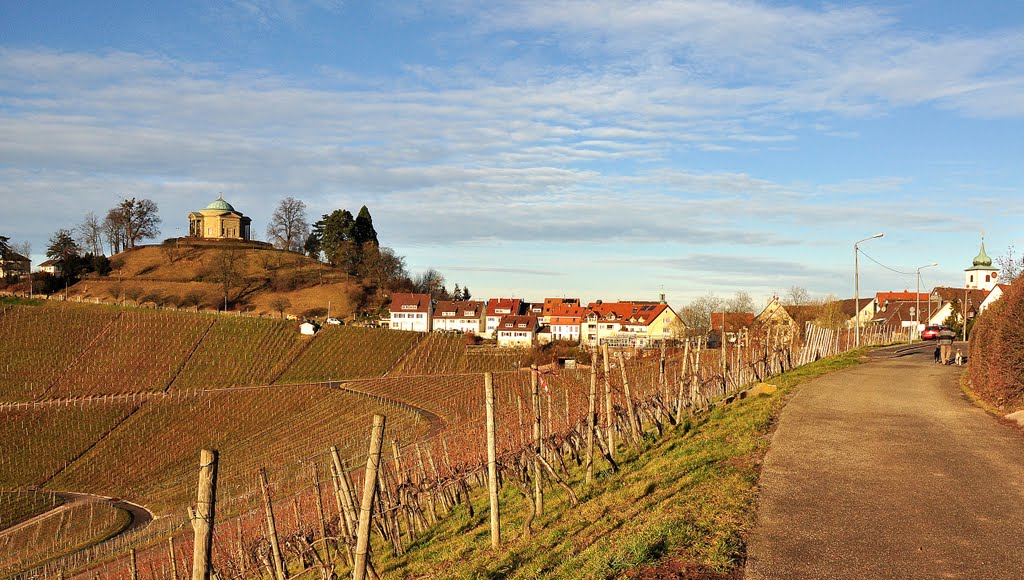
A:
[1010,266]
[226,270]
[740,302]
[288,227]
[697,314]
[797,296]
[140,219]
[90,234]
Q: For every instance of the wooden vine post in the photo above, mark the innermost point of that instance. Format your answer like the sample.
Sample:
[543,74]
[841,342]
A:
[633,426]
[682,381]
[609,417]
[362,556]
[173,561]
[538,488]
[133,568]
[591,420]
[320,512]
[492,462]
[275,546]
[202,520]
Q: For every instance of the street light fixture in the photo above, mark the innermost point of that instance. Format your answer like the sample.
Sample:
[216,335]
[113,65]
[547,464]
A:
[856,285]
[917,317]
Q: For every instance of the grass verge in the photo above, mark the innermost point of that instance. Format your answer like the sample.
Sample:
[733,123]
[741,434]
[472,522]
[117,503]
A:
[681,502]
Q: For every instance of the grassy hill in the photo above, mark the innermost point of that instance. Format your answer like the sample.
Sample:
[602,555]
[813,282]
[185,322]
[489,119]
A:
[169,273]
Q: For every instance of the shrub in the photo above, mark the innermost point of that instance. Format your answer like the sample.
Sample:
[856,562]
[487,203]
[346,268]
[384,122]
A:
[996,351]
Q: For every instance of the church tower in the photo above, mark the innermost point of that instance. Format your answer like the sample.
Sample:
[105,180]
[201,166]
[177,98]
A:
[981,275]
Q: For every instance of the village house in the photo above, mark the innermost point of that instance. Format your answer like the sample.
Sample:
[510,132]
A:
[733,327]
[551,303]
[627,323]
[54,266]
[774,313]
[901,313]
[517,331]
[465,316]
[410,312]
[533,309]
[13,266]
[993,296]
[498,308]
[964,302]
[564,320]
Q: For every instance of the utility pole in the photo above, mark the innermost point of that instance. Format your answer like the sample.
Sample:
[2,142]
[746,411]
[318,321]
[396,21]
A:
[856,285]
[917,318]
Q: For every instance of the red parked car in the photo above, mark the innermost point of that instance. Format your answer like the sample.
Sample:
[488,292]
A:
[930,332]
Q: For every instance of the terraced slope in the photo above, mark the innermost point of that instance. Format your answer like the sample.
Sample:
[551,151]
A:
[346,352]
[39,343]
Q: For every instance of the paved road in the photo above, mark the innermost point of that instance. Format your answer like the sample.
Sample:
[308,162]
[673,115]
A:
[885,470]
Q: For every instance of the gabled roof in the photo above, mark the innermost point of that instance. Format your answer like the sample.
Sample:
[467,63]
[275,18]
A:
[13,256]
[733,321]
[898,311]
[551,303]
[458,309]
[947,294]
[53,262]
[511,304]
[881,297]
[632,313]
[533,308]
[406,302]
[566,314]
[518,324]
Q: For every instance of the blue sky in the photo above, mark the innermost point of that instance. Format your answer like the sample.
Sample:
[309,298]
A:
[603,149]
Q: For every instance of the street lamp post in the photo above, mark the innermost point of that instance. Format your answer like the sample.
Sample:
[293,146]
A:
[917,316]
[856,286]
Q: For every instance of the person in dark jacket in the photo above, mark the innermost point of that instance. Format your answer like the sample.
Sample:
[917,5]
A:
[946,337]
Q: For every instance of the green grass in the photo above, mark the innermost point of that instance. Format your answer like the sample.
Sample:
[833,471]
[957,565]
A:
[19,301]
[688,498]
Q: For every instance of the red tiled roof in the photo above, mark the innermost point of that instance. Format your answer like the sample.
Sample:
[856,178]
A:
[633,313]
[458,309]
[905,295]
[512,323]
[551,303]
[899,311]
[405,302]
[511,304]
[733,321]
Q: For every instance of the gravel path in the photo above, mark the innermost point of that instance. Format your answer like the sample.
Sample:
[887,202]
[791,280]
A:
[886,470]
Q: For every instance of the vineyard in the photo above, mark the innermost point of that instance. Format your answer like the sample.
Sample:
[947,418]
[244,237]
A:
[265,397]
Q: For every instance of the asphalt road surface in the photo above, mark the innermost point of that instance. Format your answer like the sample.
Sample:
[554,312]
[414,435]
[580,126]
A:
[886,470]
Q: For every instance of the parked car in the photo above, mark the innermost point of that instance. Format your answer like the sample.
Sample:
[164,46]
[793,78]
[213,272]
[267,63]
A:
[931,332]
[334,321]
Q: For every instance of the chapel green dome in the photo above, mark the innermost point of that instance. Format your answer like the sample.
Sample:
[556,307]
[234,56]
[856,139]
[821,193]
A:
[982,258]
[220,204]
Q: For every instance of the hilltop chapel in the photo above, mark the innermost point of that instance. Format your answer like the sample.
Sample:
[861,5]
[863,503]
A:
[219,221]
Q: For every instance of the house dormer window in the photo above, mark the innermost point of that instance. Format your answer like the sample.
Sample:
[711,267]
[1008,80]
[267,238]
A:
[522,325]
[408,307]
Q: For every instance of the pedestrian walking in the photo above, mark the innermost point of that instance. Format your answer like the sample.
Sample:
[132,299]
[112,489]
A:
[959,358]
[946,338]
